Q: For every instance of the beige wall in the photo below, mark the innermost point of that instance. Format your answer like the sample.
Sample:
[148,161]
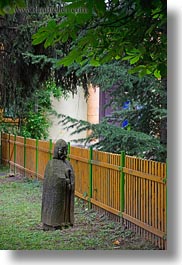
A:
[75,107]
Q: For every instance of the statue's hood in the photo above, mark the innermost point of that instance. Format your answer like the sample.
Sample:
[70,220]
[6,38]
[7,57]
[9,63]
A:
[59,145]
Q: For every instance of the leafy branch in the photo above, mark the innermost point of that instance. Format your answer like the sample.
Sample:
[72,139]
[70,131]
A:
[134,143]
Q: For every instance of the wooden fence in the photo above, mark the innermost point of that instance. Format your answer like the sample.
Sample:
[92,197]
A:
[130,189]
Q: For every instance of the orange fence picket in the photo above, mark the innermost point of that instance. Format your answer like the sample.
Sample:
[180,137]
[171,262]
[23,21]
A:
[43,157]
[145,197]
[106,181]
[134,190]
[79,158]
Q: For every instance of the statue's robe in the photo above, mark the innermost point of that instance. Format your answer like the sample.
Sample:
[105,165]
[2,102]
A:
[58,194]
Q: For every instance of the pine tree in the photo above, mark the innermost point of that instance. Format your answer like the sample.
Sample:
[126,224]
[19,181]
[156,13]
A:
[147,109]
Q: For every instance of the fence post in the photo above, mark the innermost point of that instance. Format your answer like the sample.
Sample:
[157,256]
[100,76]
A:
[90,177]
[36,161]
[50,149]
[14,154]
[122,164]
[25,156]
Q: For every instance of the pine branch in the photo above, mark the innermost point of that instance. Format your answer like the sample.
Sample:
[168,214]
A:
[115,139]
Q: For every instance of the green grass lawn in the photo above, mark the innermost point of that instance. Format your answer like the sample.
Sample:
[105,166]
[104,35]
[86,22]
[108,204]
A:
[20,226]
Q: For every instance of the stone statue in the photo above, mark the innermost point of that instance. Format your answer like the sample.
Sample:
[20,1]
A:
[58,190]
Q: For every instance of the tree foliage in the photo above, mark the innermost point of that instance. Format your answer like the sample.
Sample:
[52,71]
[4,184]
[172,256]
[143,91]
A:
[133,31]
[25,69]
[19,77]
[37,112]
[9,6]
[111,138]
[146,97]
[30,66]
[101,31]
[137,113]
[25,85]
[95,41]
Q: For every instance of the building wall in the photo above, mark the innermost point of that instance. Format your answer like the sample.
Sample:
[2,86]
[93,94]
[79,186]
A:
[75,107]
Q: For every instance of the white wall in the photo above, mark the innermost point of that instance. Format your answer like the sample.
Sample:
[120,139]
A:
[75,107]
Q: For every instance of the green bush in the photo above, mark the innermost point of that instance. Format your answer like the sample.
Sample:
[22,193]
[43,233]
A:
[35,126]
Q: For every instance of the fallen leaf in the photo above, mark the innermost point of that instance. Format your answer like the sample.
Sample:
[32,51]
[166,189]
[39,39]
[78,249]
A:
[116,242]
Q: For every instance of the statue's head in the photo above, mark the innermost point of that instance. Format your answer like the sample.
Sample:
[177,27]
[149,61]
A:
[60,150]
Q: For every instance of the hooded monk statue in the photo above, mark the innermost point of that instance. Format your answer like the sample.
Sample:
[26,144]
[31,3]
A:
[58,190]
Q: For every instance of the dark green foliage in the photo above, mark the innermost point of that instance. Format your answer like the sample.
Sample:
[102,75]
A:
[35,120]
[9,6]
[121,30]
[25,73]
[24,67]
[71,45]
[131,31]
[147,96]
[20,78]
[144,136]
[115,139]
[8,127]
[34,113]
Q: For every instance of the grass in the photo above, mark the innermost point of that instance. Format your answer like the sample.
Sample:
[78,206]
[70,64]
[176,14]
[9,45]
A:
[20,227]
